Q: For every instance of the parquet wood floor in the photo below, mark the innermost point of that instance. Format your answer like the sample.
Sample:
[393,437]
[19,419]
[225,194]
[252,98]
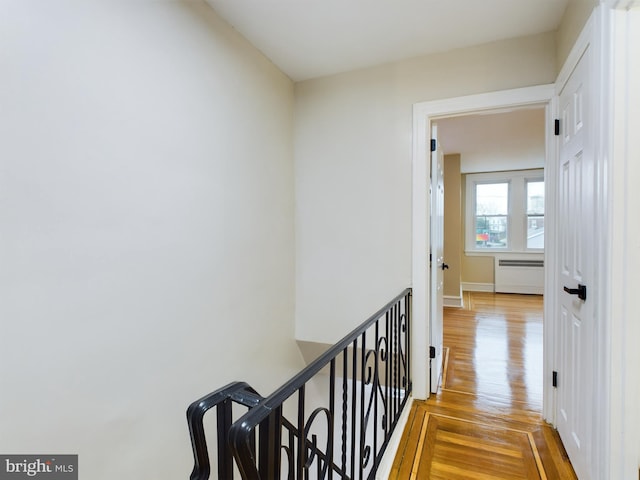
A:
[485,422]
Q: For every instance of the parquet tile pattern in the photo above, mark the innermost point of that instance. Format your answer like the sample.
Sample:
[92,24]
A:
[485,422]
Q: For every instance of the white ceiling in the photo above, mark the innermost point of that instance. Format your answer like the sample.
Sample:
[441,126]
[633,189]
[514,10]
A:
[313,38]
[510,140]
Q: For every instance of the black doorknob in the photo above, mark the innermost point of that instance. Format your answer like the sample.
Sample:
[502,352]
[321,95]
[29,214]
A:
[581,291]
[444,266]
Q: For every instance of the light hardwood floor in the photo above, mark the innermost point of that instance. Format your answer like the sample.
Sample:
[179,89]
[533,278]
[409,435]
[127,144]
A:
[486,422]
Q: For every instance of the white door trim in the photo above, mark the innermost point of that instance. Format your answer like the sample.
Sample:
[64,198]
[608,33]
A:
[621,147]
[423,114]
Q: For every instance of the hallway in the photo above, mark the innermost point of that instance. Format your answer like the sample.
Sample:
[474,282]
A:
[485,422]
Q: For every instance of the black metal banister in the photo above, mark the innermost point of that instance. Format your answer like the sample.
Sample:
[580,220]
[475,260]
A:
[242,430]
[308,428]
[282,393]
[236,392]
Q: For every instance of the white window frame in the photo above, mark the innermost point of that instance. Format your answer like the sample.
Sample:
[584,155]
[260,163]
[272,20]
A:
[528,180]
[516,215]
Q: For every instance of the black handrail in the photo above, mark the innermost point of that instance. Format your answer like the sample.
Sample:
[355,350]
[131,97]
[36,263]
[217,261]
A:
[223,399]
[381,399]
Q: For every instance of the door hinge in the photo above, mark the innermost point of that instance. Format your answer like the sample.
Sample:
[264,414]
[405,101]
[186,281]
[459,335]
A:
[433,145]
[554,380]
[432,352]
[556,126]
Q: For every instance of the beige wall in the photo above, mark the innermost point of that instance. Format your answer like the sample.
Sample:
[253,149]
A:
[574,19]
[146,228]
[353,154]
[453,239]
[475,269]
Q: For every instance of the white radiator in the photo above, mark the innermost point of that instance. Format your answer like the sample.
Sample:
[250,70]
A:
[519,275]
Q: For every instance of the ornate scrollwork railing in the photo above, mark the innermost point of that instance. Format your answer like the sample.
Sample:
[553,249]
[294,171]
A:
[334,419]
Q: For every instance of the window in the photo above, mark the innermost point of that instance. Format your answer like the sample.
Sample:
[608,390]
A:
[535,214]
[505,211]
[491,218]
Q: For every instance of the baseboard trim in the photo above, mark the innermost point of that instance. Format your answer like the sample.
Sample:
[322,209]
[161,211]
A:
[477,287]
[386,464]
[452,301]
[524,289]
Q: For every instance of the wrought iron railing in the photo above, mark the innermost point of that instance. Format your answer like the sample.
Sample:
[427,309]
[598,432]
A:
[226,402]
[333,420]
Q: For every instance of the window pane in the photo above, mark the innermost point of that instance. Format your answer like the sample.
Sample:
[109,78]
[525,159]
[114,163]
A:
[535,198]
[535,231]
[492,208]
[492,198]
[491,231]
[535,214]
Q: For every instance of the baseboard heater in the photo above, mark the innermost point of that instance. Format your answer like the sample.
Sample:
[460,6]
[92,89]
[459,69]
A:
[519,275]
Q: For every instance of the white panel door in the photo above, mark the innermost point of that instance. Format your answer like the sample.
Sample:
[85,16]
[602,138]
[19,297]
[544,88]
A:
[437,259]
[575,315]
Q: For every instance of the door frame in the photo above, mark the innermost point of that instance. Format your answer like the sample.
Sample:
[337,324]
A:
[624,151]
[612,32]
[423,114]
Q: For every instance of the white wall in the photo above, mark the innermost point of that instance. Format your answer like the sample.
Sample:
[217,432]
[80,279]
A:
[353,172]
[632,371]
[633,233]
[146,228]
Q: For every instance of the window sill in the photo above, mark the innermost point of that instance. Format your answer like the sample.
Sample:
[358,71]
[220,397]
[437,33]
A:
[482,253]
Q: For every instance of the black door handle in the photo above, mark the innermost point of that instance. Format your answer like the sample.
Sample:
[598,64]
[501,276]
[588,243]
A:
[444,266]
[581,291]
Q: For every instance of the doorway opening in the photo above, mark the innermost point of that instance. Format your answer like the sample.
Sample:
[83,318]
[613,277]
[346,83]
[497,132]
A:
[487,219]
[425,114]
